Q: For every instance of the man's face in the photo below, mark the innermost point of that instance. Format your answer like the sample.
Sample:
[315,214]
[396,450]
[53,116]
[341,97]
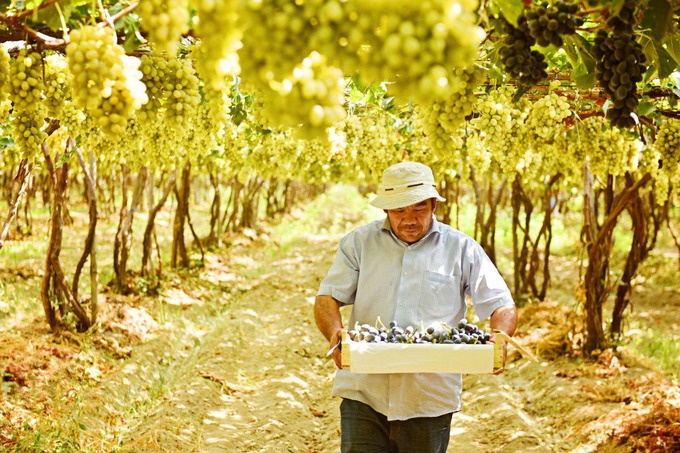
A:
[412,222]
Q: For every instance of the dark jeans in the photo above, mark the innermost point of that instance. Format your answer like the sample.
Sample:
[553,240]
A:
[367,431]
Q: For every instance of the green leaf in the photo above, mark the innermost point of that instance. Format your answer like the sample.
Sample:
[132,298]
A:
[666,63]
[51,17]
[658,18]
[672,45]
[571,52]
[645,108]
[651,55]
[583,77]
[583,47]
[511,10]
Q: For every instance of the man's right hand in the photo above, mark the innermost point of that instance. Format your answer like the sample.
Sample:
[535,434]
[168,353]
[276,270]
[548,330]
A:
[337,353]
[329,322]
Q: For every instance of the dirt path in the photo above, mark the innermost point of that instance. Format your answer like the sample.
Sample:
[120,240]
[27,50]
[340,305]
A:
[259,380]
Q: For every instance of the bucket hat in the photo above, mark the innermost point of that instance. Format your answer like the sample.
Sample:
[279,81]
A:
[404,184]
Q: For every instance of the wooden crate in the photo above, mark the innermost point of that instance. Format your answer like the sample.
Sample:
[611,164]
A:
[363,357]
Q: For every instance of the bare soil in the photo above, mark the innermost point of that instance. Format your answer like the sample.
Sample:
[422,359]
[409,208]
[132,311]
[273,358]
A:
[228,359]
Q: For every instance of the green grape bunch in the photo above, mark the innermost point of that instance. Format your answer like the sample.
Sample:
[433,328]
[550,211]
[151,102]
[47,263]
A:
[418,56]
[454,109]
[620,66]
[155,72]
[94,61]
[607,150]
[128,94]
[276,39]
[165,21]
[373,144]
[4,73]
[440,120]
[105,81]
[439,140]
[220,39]
[545,114]
[26,93]
[668,145]
[548,23]
[182,95]
[216,85]
[57,87]
[317,92]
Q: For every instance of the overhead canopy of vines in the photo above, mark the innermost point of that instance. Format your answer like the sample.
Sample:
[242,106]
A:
[319,90]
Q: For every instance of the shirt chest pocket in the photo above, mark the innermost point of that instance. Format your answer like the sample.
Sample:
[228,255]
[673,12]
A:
[440,296]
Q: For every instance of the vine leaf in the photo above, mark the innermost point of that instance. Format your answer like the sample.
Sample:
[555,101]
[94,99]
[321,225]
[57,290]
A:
[672,45]
[510,9]
[645,108]
[658,19]
[661,62]
[577,50]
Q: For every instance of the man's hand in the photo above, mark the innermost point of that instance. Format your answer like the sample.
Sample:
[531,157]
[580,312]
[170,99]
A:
[337,353]
[329,322]
[505,319]
[505,353]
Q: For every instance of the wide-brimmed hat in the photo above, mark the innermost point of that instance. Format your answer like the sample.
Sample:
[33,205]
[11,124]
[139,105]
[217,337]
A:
[404,184]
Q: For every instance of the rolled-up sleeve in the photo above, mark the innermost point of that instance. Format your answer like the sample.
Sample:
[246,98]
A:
[485,285]
[341,280]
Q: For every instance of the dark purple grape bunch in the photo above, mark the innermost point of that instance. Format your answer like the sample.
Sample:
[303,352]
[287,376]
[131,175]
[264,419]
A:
[548,23]
[519,61]
[620,66]
[464,333]
[624,20]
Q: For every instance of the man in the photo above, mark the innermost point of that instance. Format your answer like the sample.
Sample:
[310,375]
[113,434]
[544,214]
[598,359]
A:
[407,268]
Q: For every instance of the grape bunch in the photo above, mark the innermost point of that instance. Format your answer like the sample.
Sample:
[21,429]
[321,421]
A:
[548,23]
[427,119]
[25,92]
[5,104]
[453,110]
[668,145]
[4,72]
[418,56]
[182,95]
[154,73]
[317,91]
[440,333]
[276,39]
[94,60]
[606,148]
[105,81]
[165,21]
[220,40]
[624,20]
[494,119]
[57,88]
[371,143]
[519,60]
[545,114]
[620,65]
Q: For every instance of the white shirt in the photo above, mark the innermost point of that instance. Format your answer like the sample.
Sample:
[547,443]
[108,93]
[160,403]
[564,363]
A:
[382,276]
